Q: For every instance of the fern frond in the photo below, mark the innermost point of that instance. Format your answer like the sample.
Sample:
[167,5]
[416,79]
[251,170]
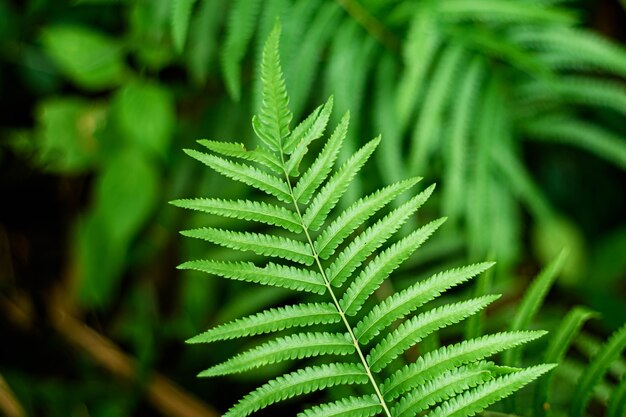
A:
[609,352]
[581,90]
[365,406]
[272,274]
[576,47]
[402,303]
[565,129]
[241,24]
[533,298]
[351,218]
[423,41]
[244,210]
[484,395]
[300,130]
[295,346]
[296,383]
[272,122]
[448,357]
[323,164]
[559,343]
[453,192]
[427,130]
[245,174]
[272,320]
[371,238]
[238,150]
[617,402]
[332,191]
[502,10]
[261,244]
[441,388]
[313,133]
[181,14]
[415,329]
[300,74]
[382,265]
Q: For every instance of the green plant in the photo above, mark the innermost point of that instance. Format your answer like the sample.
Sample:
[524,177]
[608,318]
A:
[324,260]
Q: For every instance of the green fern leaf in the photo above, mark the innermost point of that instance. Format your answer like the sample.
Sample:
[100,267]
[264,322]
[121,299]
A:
[453,191]
[617,402]
[296,346]
[402,303]
[245,173]
[382,265]
[369,240]
[596,370]
[300,130]
[300,382]
[426,132]
[321,167]
[261,244]
[502,10]
[423,40]
[244,210]
[181,14]
[565,129]
[531,302]
[414,330]
[365,406]
[582,90]
[272,274]
[272,122]
[332,191]
[441,388]
[351,218]
[575,47]
[313,133]
[241,24]
[449,357]
[272,320]
[559,343]
[238,150]
[311,200]
[484,395]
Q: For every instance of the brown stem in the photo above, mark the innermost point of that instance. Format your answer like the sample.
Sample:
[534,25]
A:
[164,395]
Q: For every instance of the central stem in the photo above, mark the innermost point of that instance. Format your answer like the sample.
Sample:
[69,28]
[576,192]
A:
[355,342]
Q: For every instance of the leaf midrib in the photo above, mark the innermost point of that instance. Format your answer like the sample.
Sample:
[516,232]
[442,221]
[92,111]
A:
[315,255]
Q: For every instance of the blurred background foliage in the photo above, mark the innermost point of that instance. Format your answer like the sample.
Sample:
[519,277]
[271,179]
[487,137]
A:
[515,108]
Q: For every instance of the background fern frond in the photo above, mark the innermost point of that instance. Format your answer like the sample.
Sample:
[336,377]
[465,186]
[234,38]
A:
[596,370]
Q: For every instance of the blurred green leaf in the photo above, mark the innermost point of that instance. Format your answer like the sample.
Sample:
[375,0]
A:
[100,262]
[67,133]
[126,193]
[181,14]
[89,58]
[550,236]
[145,115]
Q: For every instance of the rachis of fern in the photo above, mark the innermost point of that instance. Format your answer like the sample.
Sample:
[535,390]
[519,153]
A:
[340,257]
